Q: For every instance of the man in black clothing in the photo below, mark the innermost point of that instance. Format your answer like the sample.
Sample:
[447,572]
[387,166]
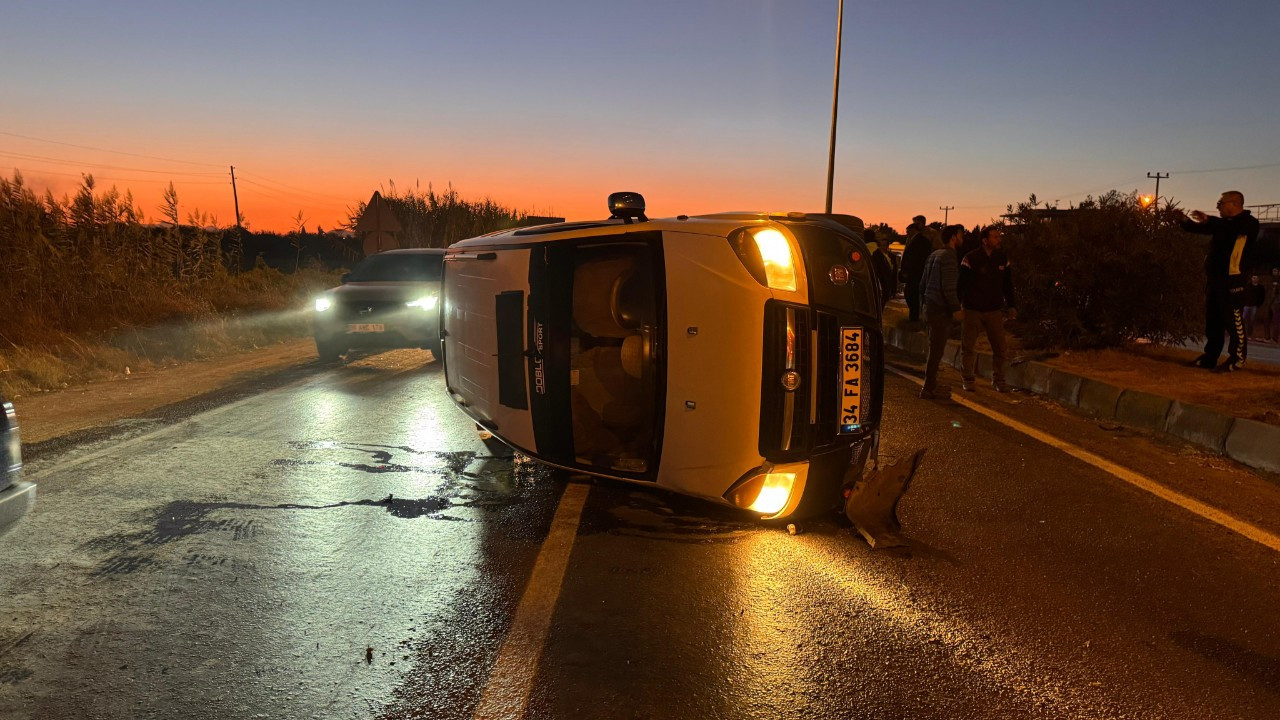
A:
[1233,237]
[882,264]
[919,247]
[986,294]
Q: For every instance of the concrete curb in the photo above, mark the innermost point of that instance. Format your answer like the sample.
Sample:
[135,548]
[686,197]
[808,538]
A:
[1098,399]
[1201,425]
[1255,444]
[1247,441]
[1143,410]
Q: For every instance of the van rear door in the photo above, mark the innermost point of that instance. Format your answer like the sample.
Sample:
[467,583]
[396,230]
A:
[485,306]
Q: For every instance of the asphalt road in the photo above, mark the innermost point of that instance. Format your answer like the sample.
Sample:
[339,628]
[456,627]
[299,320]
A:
[336,543]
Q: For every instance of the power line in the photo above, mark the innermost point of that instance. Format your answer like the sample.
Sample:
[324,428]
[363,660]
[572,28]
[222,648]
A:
[60,161]
[294,187]
[265,191]
[41,171]
[1229,169]
[285,195]
[117,152]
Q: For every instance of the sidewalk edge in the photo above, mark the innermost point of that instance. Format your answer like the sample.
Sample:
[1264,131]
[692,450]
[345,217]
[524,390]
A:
[1249,442]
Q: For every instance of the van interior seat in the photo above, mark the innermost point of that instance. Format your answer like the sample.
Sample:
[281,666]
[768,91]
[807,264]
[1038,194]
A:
[627,301]
[596,284]
[608,387]
[633,356]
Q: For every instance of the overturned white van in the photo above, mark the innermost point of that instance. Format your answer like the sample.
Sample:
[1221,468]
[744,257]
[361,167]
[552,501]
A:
[736,357]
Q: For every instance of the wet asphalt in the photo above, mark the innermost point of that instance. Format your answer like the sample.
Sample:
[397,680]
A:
[335,542]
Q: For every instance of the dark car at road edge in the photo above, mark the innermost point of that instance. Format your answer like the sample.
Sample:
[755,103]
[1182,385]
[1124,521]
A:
[388,300]
[16,496]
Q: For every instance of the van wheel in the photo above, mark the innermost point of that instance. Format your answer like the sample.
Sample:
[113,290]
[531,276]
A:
[329,351]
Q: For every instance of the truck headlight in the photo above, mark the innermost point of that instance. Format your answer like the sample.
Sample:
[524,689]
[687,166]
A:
[767,255]
[323,303]
[766,493]
[426,302]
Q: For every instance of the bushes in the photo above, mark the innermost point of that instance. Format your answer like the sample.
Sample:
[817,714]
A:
[89,266]
[1105,273]
[436,220]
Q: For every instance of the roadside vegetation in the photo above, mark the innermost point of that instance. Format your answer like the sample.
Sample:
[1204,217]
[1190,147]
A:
[94,289]
[1105,273]
[435,220]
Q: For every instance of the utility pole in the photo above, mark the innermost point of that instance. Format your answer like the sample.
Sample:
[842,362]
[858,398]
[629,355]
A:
[1155,201]
[238,250]
[835,102]
[235,195]
[946,212]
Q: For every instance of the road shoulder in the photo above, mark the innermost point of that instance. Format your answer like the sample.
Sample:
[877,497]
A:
[45,416]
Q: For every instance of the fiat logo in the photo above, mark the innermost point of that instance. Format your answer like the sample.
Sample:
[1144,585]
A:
[790,380]
[839,274]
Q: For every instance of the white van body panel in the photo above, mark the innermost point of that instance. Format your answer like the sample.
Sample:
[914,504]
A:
[471,339]
[718,369]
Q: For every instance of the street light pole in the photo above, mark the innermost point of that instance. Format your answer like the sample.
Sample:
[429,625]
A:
[946,212]
[835,103]
[1155,199]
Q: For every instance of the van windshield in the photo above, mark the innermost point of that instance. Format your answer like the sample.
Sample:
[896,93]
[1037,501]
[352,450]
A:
[602,310]
[398,267]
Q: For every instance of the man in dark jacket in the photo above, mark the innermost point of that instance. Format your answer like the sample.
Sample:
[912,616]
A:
[1233,237]
[882,264]
[986,293]
[917,251]
[941,301]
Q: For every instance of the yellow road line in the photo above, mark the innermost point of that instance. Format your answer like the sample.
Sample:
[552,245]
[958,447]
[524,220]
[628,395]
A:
[1208,512]
[506,696]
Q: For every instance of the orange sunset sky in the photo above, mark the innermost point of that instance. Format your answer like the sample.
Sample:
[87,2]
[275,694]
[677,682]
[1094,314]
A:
[702,107]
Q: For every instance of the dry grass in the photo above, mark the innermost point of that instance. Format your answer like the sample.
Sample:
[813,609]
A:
[93,291]
[247,311]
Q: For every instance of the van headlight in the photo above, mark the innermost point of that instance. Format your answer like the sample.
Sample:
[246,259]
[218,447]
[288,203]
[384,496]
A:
[768,256]
[766,493]
[323,303]
[426,302]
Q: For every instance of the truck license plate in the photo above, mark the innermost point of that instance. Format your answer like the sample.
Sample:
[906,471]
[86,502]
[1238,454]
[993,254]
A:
[851,358]
[366,327]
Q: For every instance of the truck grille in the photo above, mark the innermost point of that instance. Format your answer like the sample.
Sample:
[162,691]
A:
[368,310]
[786,415]
[795,423]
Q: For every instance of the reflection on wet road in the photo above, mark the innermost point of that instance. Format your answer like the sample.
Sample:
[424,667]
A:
[343,546]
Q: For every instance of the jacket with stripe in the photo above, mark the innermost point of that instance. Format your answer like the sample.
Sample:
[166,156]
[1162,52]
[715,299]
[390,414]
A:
[1231,244]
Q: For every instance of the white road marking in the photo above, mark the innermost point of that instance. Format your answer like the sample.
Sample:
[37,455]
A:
[506,695]
[1142,482]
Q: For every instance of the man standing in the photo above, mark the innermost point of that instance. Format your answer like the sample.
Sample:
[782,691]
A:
[938,294]
[1232,239]
[913,257]
[986,292]
[882,264]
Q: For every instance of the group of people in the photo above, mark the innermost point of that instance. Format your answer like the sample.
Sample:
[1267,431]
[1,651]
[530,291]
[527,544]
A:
[952,277]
